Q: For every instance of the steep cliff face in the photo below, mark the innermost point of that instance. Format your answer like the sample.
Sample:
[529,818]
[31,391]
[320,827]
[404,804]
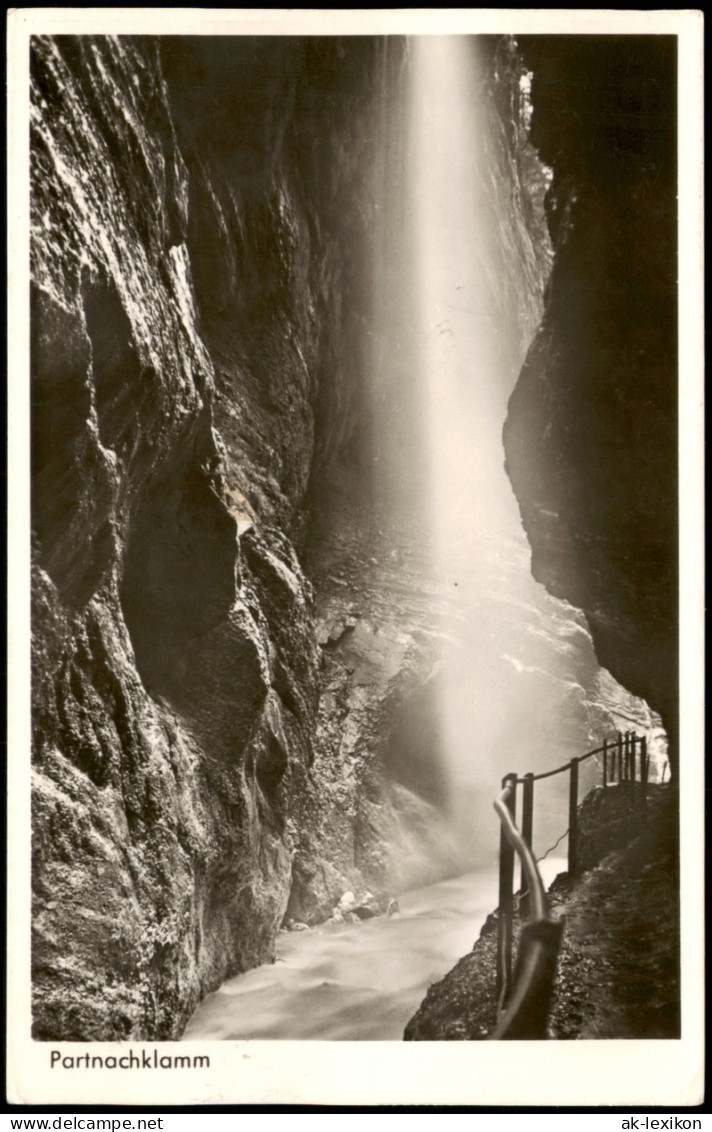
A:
[211,724]
[591,435]
[185,325]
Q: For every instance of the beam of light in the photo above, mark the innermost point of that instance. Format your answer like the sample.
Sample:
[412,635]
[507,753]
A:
[441,377]
[458,293]
[460,374]
[472,509]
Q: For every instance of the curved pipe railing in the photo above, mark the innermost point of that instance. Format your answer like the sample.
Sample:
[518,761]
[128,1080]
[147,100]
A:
[535,884]
[523,1001]
[527,1007]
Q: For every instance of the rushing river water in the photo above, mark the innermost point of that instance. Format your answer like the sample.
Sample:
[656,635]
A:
[355,982]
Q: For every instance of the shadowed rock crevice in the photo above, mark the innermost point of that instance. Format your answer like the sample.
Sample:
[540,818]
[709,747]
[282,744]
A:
[179,580]
[411,753]
[72,483]
[126,396]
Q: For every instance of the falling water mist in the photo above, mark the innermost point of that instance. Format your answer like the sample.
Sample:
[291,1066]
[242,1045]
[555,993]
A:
[461,260]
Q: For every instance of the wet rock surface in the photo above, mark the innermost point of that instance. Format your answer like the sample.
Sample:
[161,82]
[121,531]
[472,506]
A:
[215,674]
[618,971]
[230,645]
[183,329]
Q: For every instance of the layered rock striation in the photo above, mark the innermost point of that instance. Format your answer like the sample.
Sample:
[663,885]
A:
[210,723]
[188,263]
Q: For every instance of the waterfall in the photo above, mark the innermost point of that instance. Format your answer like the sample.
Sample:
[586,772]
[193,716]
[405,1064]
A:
[461,260]
[463,381]
[460,257]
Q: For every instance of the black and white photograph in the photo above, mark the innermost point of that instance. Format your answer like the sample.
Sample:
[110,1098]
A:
[355,473]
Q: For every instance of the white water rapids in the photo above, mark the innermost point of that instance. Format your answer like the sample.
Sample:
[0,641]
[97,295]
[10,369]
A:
[355,982]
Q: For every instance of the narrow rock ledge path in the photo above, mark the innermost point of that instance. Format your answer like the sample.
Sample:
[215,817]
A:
[618,967]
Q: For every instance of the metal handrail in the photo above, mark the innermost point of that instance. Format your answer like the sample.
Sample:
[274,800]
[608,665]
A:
[527,1009]
[608,747]
[523,1012]
[566,766]
[534,881]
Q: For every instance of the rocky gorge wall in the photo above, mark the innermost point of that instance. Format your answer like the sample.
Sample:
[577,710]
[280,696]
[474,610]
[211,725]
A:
[591,435]
[187,279]
[223,638]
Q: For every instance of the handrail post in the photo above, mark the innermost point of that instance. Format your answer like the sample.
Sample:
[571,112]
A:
[506,879]
[626,755]
[527,822]
[573,815]
[644,775]
[522,1004]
